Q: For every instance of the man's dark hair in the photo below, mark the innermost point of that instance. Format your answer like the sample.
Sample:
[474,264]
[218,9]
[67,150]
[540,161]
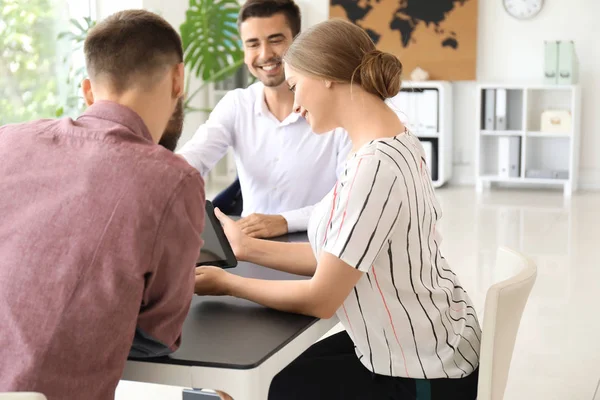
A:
[268,8]
[130,47]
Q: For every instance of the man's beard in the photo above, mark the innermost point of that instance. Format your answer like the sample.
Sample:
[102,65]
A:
[174,128]
[272,81]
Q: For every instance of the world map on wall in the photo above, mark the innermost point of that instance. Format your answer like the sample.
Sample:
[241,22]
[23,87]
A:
[437,35]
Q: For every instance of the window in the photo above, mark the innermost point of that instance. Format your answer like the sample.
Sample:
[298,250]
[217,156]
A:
[37,70]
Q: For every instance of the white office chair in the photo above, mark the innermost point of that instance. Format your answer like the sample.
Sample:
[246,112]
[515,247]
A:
[504,304]
[22,396]
[597,392]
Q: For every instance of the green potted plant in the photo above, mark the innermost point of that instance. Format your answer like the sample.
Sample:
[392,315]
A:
[74,102]
[212,48]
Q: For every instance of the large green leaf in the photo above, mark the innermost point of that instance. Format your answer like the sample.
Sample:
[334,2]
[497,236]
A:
[75,36]
[210,39]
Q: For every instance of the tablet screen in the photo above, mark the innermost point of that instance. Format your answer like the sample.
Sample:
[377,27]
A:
[216,250]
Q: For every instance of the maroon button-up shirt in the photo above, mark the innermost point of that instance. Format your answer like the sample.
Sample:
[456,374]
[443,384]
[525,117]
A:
[99,232]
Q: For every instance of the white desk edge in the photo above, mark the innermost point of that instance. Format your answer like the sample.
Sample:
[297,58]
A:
[241,384]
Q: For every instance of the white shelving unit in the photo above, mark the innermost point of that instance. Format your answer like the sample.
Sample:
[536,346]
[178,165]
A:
[539,151]
[418,117]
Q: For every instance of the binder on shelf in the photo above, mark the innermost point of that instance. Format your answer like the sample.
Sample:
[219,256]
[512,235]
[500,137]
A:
[399,104]
[547,174]
[490,110]
[509,156]
[406,103]
[551,62]
[428,148]
[418,109]
[567,63]
[428,111]
[500,110]
[413,101]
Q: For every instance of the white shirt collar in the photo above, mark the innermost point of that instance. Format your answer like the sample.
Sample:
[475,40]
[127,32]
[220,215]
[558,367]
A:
[261,109]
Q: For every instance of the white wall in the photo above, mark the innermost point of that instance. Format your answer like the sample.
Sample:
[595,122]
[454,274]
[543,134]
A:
[507,50]
[513,50]
[105,8]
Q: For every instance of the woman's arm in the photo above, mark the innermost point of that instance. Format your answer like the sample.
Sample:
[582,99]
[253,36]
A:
[295,258]
[319,296]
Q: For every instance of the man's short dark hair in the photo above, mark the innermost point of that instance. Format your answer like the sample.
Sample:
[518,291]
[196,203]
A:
[130,47]
[268,8]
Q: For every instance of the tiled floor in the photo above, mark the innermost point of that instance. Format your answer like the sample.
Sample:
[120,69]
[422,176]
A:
[557,354]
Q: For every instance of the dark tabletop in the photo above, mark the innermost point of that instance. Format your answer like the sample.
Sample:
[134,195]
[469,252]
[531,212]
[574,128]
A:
[234,333]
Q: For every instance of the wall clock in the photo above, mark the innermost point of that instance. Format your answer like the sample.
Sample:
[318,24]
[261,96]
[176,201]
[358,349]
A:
[523,9]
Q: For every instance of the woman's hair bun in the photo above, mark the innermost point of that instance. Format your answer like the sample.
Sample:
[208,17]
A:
[380,74]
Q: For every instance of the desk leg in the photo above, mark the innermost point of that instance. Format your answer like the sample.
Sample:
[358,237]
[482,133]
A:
[198,395]
[190,394]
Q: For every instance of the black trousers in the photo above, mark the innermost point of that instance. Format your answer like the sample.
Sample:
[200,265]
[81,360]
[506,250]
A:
[230,200]
[330,370]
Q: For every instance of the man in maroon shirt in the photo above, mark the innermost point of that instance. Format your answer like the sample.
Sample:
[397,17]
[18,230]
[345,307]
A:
[100,226]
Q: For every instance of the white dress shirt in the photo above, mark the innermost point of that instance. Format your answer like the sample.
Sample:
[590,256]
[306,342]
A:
[283,167]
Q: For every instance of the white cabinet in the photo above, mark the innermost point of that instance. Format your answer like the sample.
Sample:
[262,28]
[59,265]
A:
[426,109]
[546,158]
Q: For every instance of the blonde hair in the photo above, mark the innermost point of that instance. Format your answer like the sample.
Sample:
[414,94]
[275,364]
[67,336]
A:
[340,51]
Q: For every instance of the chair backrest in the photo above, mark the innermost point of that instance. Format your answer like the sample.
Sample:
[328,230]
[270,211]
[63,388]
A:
[504,304]
[22,396]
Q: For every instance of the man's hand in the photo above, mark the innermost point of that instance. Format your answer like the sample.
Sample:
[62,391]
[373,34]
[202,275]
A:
[263,226]
[224,396]
[211,281]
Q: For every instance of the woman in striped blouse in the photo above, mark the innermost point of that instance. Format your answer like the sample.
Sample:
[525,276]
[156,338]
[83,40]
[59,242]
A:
[374,254]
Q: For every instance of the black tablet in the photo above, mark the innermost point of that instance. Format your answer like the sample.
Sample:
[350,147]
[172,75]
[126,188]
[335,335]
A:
[216,250]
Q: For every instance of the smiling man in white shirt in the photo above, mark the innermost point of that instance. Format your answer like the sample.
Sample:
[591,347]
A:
[283,167]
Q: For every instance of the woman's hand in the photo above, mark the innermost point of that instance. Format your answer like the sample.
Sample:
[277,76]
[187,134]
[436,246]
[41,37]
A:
[212,281]
[237,239]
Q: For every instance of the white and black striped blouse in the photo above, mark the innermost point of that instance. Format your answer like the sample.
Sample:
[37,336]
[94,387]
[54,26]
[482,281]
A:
[408,315]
